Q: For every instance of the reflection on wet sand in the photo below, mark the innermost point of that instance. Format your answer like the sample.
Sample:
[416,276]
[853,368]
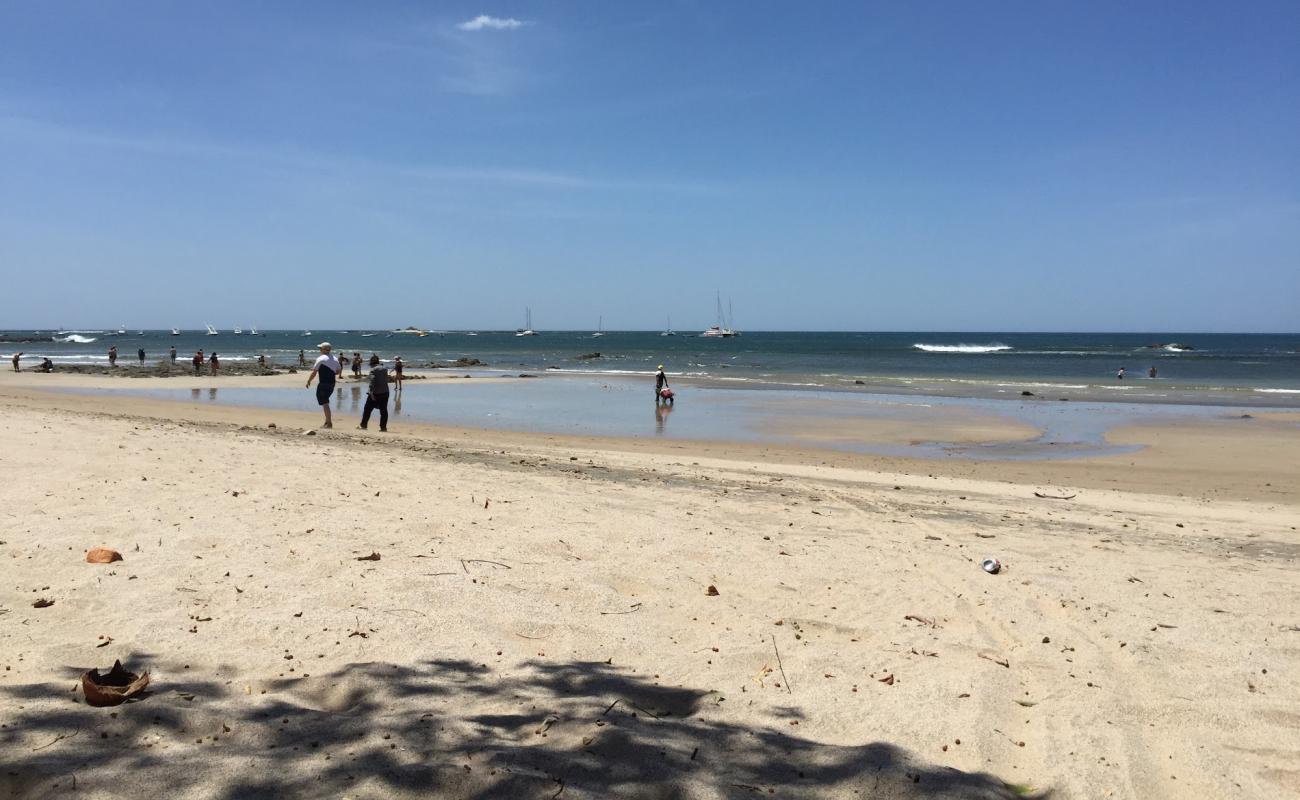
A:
[661,417]
[356,399]
[212,395]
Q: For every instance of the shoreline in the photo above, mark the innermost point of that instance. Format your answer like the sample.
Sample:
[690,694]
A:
[1247,459]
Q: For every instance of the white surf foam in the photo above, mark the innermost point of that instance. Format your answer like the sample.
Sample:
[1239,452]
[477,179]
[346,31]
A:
[1279,391]
[962,348]
[76,339]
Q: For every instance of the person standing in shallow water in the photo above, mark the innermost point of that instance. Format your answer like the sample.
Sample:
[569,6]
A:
[1119,376]
[661,380]
[140,354]
[214,363]
[327,367]
[397,373]
[112,356]
[302,358]
[172,354]
[17,356]
[377,398]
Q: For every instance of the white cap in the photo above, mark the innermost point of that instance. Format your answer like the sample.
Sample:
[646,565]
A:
[324,344]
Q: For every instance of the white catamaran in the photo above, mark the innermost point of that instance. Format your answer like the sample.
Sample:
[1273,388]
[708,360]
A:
[212,331]
[724,329]
[527,330]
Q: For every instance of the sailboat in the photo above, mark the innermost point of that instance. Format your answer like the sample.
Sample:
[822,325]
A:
[237,331]
[600,328]
[723,329]
[176,331]
[212,331]
[669,330]
[253,331]
[527,330]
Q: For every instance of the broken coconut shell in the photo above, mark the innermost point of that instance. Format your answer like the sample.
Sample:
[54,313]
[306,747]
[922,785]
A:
[113,688]
[103,555]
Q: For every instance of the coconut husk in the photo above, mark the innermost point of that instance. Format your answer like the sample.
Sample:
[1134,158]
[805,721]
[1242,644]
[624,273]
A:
[103,555]
[113,688]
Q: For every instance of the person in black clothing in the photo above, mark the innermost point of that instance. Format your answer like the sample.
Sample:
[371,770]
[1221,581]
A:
[172,353]
[356,365]
[378,396]
[140,354]
[661,380]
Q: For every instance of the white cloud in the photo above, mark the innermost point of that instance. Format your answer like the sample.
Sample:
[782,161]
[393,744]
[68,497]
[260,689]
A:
[484,22]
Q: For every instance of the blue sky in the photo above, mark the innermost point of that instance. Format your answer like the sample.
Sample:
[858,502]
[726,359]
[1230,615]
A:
[901,166]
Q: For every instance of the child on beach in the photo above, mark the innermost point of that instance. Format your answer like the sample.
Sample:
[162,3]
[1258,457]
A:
[377,396]
[397,372]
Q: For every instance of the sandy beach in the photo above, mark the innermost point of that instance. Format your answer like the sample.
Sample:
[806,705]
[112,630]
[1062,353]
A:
[460,613]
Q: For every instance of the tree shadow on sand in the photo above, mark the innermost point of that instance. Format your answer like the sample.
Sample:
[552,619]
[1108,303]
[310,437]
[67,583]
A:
[541,730]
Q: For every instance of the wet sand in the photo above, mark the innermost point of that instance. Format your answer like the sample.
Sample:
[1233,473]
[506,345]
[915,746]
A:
[540,619]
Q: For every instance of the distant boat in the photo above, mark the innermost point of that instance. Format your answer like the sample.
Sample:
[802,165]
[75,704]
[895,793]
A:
[723,329]
[411,329]
[600,328]
[253,331]
[176,331]
[237,331]
[669,330]
[121,329]
[366,335]
[306,333]
[212,331]
[472,333]
[527,330]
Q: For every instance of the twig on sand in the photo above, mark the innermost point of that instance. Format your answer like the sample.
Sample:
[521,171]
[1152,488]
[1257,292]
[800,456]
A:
[922,620]
[1055,496]
[780,665]
[632,609]
[610,707]
[560,790]
[465,562]
[1000,662]
[57,739]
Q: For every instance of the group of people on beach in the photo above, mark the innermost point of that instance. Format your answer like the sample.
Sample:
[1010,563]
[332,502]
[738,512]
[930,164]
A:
[1151,373]
[328,367]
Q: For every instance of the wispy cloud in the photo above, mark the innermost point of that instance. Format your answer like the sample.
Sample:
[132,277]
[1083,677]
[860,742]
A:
[316,162]
[483,22]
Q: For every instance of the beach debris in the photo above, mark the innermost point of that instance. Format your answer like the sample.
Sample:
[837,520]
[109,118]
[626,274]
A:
[888,680]
[113,688]
[986,536]
[546,725]
[43,603]
[372,557]
[309,433]
[712,591]
[107,641]
[1026,393]
[923,620]
[102,555]
[780,665]
[1056,496]
[271,425]
[991,565]
[632,609]
[1001,662]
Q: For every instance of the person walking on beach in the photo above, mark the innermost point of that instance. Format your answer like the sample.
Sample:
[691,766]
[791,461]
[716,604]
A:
[397,372]
[198,360]
[17,356]
[302,358]
[214,363]
[1119,376]
[328,368]
[661,380]
[140,354]
[172,354]
[378,395]
[112,356]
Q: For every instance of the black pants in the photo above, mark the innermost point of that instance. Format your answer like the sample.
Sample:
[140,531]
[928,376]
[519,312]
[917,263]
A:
[380,402]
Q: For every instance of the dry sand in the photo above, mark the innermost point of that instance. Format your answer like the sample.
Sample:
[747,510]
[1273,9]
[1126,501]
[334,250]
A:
[539,624]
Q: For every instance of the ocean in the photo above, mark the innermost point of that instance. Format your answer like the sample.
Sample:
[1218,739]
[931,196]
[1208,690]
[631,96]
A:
[1224,369]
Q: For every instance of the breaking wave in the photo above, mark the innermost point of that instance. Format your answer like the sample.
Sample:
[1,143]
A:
[75,339]
[962,348]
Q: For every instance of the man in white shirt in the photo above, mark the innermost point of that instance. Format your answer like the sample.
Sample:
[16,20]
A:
[328,368]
